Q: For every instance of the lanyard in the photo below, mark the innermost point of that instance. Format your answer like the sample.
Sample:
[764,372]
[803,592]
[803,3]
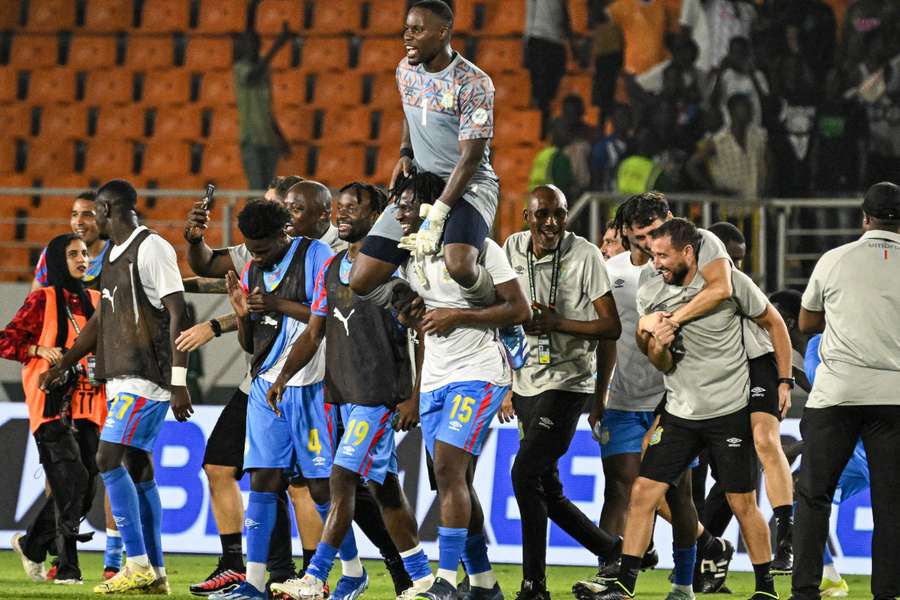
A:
[72,320]
[554,276]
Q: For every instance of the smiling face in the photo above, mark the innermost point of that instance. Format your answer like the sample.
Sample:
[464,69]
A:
[77,258]
[424,36]
[354,217]
[84,221]
[306,214]
[639,237]
[546,217]
[408,212]
[673,264]
[611,244]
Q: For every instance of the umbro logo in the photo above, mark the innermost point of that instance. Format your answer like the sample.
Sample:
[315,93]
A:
[519,269]
[734,442]
[267,320]
[545,423]
[618,283]
[757,392]
[250,523]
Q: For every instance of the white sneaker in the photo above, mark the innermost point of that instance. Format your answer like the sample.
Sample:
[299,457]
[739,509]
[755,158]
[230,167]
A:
[411,592]
[35,571]
[68,581]
[303,588]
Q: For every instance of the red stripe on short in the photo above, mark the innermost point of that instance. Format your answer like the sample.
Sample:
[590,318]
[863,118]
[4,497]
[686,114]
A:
[381,429]
[138,405]
[484,404]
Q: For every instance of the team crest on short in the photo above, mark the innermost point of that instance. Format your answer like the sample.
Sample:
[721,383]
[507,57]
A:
[604,436]
[657,436]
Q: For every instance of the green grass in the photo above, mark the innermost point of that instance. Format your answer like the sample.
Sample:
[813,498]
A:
[184,570]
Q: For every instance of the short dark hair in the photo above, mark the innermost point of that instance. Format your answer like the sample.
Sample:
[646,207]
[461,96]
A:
[437,7]
[682,232]
[427,187]
[89,195]
[789,300]
[377,197]
[261,219]
[611,224]
[735,99]
[727,232]
[120,193]
[282,184]
[642,209]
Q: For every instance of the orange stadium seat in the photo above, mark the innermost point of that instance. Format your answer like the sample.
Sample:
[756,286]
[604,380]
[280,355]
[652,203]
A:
[164,16]
[511,90]
[338,162]
[56,84]
[119,122]
[7,156]
[390,127]
[15,120]
[150,52]
[47,156]
[177,123]
[92,52]
[224,125]
[385,17]
[464,15]
[503,18]
[380,91]
[579,84]
[9,14]
[34,51]
[297,162]
[221,159]
[217,89]
[270,14]
[335,16]
[108,159]
[325,53]
[578,16]
[109,87]
[386,160]
[166,158]
[50,16]
[380,54]
[108,15]
[499,55]
[512,164]
[288,87]
[514,126]
[353,125]
[331,91]
[222,16]
[64,121]
[207,54]
[166,87]
[9,83]
[297,124]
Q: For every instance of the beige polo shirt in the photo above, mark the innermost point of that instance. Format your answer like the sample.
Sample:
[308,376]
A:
[582,279]
[857,285]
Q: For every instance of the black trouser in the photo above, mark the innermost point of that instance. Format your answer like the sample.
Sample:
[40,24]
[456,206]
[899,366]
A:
[281,563]
[829,436]
[546,62]
[69,481]
[548,423]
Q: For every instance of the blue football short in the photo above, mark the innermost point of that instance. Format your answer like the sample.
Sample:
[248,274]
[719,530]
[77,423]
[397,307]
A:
[855,477]
[622,431]
[459,414]
[301,439]
[133,420]
[367,446]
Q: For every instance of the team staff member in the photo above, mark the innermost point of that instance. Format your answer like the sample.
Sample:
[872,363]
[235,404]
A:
[42,329]
[853,295]
[84,224]
[707,385]
[566,283]
[611,244]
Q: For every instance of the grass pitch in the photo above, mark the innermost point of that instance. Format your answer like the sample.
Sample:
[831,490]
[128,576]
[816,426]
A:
[184,569]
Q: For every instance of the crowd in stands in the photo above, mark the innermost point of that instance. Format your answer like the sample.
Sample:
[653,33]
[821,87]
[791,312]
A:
[777,98]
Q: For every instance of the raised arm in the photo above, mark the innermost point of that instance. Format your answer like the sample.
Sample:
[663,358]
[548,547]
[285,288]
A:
[178,322]
[718,288]
[203,260]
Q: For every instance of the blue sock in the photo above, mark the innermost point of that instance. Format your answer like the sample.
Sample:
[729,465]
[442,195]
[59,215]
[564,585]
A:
[113,556]
[151,520]
[348,549]
[829,560]
[474,555]
[123,499]
[320,565]
[451,542]
[259,521]
[416,564]
[684,564]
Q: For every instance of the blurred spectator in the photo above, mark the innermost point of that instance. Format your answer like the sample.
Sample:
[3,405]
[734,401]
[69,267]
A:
[578,136]
[547,31]
[611,241]
[261,140]
[712,24]
[551,165]
[606,56]
[609,151]
[862,18]
[735,160]
[684,59]
[280,185]
[839,141]
[644,24]
[737,74]
[811,33]
[792,129]
[638,172]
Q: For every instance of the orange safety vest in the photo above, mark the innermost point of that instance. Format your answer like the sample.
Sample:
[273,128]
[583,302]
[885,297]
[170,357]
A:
[88,401]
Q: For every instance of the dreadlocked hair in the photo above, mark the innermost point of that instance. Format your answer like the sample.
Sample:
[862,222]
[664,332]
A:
[427,187]
[378,199]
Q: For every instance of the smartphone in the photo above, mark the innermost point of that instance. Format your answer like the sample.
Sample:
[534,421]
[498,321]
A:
[207,199]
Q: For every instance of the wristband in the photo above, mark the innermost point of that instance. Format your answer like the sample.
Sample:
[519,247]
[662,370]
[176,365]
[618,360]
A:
[179,376]
[216,327]
[407,152]
[788,380]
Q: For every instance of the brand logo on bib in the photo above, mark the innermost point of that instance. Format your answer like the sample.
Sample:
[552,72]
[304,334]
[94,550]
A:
[106,295]
[734,442]
[345,321]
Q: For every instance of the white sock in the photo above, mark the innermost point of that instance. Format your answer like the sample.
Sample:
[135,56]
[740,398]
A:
[424,583]
[484,580]
[160,572]
[687,589]
[352,567]
[447,575]
[113,533]
[830,573]
[141,561]
[256,575]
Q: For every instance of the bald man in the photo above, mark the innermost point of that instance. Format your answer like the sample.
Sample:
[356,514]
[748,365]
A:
[309,203]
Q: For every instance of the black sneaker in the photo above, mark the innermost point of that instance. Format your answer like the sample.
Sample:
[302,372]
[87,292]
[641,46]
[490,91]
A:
[758,595]
[398,574]
[614,591]
[650,559]
[783,563]
[480,593]
[462,588]
[222,579]
[533,590]
[441,589]
[711,569]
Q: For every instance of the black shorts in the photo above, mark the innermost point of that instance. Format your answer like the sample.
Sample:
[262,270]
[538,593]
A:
[676,442]
[465,225]
[225,446]
[764,385]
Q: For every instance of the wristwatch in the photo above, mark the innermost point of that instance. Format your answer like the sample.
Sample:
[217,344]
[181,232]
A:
[788,380]
[216,327]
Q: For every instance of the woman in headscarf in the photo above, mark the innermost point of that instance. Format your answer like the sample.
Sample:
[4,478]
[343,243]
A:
[65,422]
